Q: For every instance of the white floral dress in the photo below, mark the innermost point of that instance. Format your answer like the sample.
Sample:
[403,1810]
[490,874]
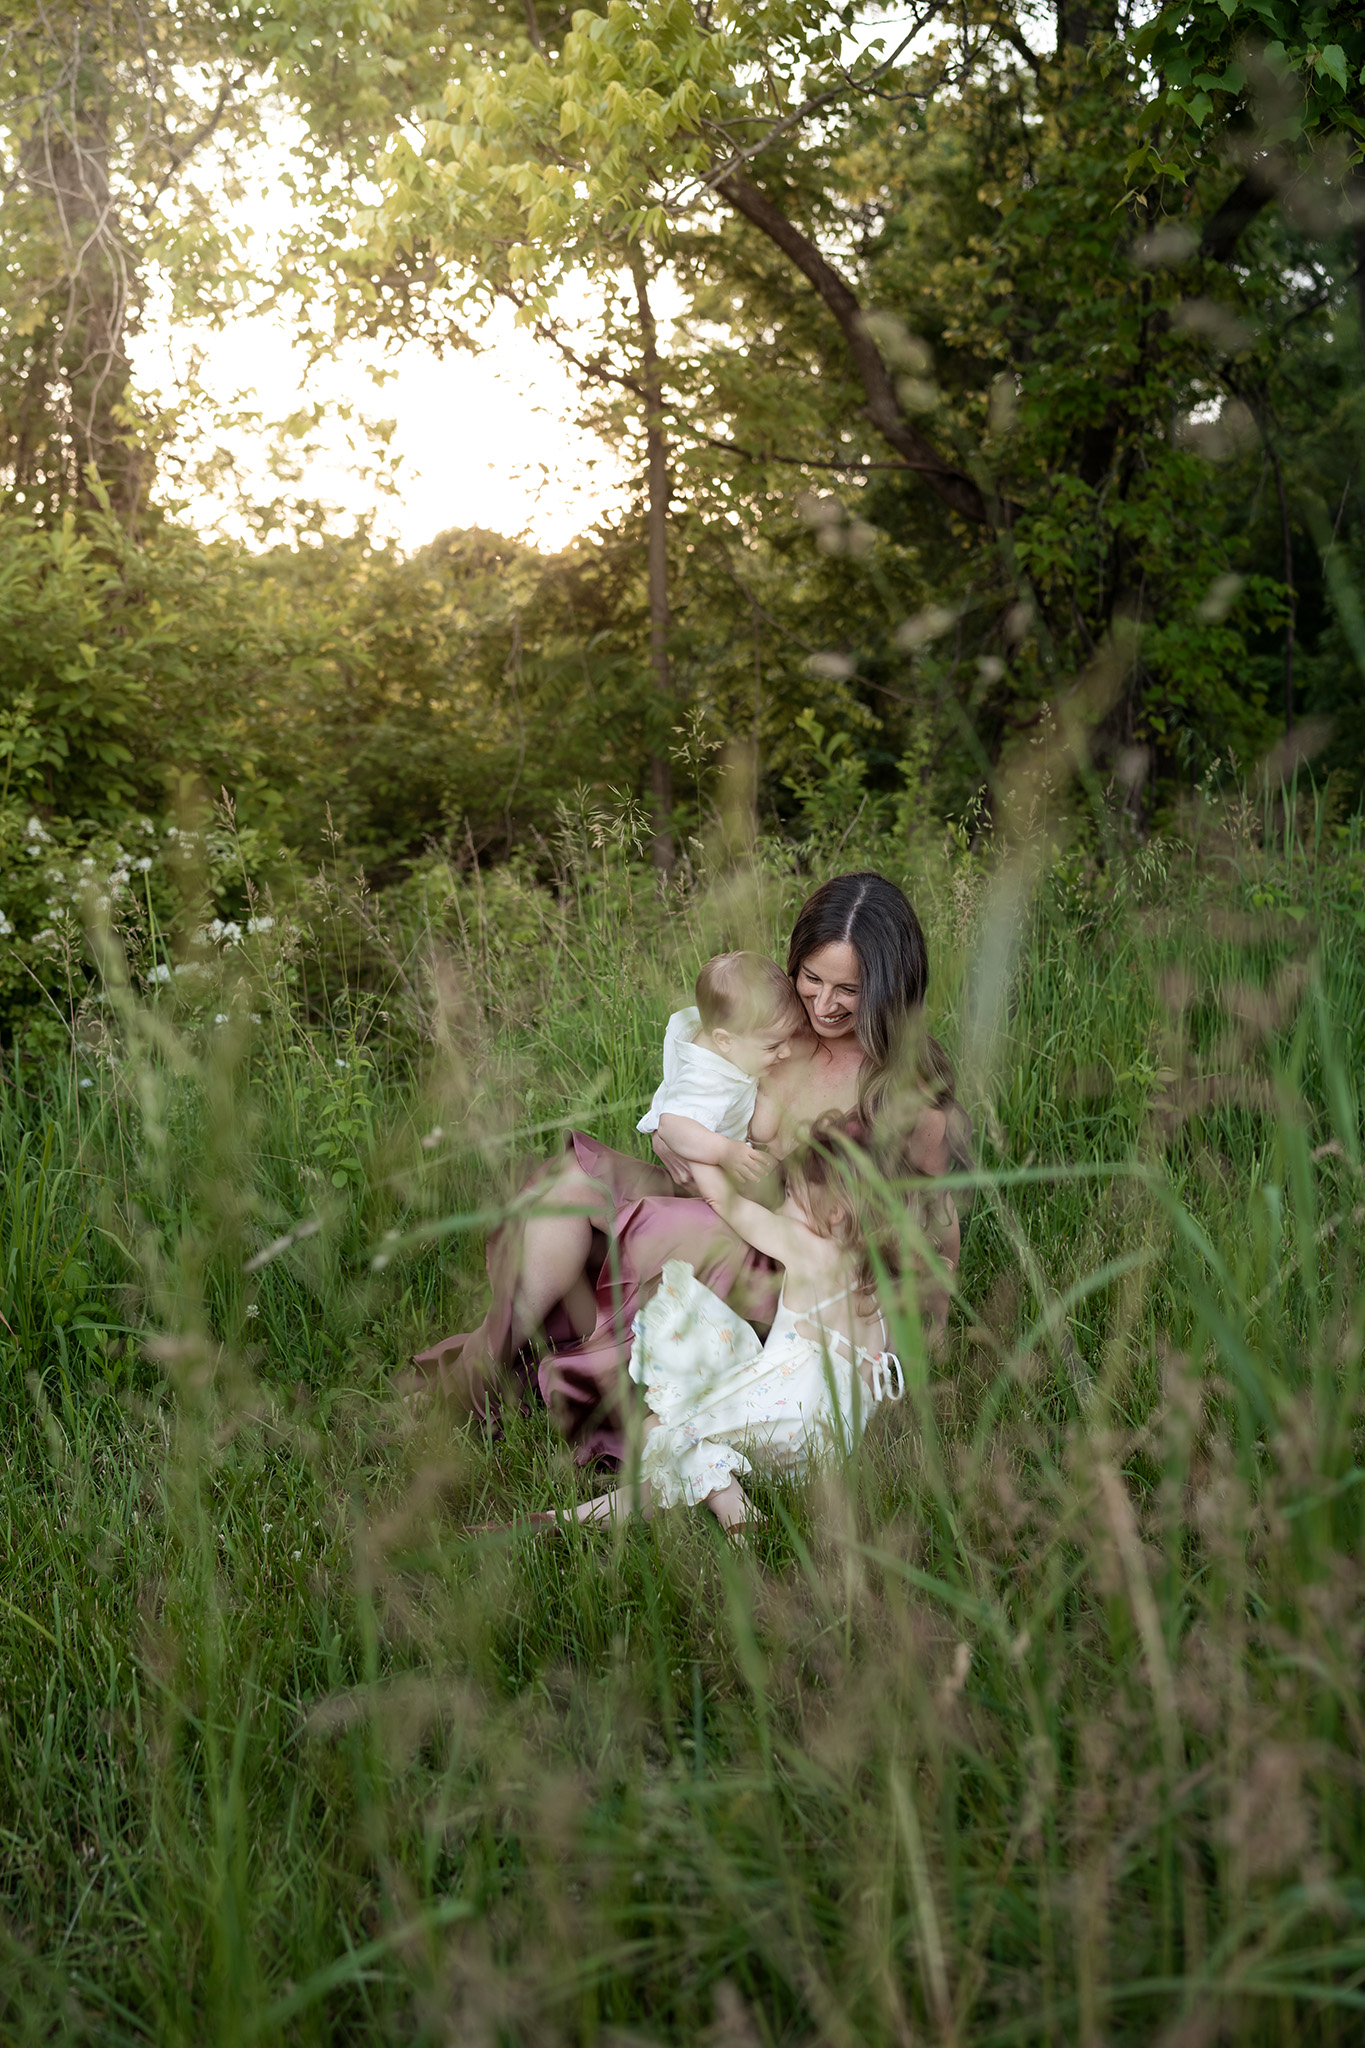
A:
[723,1399]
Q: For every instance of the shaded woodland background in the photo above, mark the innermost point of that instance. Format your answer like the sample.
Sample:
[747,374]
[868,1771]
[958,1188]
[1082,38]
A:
[1015,343]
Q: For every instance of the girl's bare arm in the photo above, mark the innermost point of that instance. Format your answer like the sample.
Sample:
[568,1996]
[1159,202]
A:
[780,1237]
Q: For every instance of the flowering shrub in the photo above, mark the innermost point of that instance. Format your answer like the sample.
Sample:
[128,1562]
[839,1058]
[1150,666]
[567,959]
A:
[71,891]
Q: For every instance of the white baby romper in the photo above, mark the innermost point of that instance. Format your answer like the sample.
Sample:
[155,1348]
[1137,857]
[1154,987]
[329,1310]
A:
[723,1399]
[699,1084]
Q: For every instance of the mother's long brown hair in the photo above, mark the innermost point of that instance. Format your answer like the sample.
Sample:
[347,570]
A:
[876,918]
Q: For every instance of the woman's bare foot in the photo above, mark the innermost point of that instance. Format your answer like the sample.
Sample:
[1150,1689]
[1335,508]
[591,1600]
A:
[460,1373]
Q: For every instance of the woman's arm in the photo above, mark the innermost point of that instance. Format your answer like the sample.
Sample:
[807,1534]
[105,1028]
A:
[678,1169]
[780,1237]
[929,1153]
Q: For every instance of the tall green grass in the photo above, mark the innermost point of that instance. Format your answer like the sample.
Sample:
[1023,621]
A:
[1042,1723]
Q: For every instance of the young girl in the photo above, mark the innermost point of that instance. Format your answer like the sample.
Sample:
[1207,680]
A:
[719,1401]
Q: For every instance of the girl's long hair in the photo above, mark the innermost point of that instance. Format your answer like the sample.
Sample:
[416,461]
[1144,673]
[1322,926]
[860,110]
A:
[906,1068]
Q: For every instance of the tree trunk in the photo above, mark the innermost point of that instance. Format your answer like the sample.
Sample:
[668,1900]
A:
[1078,20]
[663,852]
[67,413]
[1287,546]
[953,486]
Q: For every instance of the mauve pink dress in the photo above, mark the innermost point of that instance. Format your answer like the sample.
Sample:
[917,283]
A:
[583,1380]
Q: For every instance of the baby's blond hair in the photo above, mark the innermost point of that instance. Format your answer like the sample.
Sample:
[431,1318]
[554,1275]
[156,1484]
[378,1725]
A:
[744,992]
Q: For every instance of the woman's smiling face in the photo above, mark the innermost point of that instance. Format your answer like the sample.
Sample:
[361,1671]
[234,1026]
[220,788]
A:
[827,983]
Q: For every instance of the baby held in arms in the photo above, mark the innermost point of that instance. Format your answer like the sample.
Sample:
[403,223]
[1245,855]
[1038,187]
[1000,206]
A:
[711,1108]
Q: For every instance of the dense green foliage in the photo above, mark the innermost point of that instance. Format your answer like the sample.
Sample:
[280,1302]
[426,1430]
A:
[1091,396]
[1041,1724]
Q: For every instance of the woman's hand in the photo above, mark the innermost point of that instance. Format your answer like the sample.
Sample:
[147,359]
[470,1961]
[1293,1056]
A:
[678,1169]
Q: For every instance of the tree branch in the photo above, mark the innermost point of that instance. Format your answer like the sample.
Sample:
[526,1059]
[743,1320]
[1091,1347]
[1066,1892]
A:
[716,179]
[1224,229]
[953,486]
[178,157]
[856,468]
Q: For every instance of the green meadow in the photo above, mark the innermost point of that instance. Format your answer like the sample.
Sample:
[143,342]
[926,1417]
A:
[1041,1723]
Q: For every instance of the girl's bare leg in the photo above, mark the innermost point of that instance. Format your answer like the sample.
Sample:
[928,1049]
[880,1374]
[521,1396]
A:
[730,1504]
[622,1500]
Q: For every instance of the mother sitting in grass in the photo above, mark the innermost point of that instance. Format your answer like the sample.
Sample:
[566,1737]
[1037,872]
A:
[569,1278]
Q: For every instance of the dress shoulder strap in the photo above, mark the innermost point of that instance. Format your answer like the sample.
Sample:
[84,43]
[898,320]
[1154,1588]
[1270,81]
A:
[830,1301]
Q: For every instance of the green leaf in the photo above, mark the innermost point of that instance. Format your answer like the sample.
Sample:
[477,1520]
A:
[1332,59]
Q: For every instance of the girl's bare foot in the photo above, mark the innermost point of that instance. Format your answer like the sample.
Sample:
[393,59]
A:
[734,1510]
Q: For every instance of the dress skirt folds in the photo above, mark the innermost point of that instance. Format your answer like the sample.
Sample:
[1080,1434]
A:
[723,1402]
[584,1379]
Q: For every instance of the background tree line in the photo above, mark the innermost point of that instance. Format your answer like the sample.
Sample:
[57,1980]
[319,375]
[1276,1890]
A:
[1010,340]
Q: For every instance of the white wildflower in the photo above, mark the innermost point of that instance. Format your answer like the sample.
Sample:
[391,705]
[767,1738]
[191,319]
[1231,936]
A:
[6,928]
[343,1063]
[252,1309]
[161,972]
[34,830]
[86,1081]
[143,866]
[221,1017]
[260,924]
